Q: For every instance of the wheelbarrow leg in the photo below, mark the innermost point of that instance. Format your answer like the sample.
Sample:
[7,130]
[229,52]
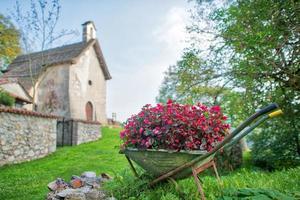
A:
[198,183]
[198,170]
[132,167]
[216,171]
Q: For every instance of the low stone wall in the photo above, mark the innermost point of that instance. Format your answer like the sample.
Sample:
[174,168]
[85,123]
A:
[74,132]
[25,135]
[87,132]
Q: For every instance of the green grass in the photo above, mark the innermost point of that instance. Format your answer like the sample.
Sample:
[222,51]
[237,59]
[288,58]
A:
[29,180]
[287,182]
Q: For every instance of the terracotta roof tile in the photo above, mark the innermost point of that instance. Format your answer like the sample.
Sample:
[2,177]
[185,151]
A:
[26,112]
[82,121]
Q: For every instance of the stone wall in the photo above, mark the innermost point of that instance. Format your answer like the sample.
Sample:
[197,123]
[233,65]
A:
[72,132]
[25,135]
[87,132]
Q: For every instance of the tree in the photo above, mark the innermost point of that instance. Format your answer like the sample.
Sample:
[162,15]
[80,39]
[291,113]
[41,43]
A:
[265,39]
[191,81]
[9,41]
[38,24]
[253,53]
[37,28]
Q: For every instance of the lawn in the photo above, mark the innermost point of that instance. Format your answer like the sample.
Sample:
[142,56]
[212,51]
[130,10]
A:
[29,180]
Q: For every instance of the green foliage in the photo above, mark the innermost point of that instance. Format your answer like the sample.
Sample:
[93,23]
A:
[275,149]
[265,43]
[9,41]
[192,80]
[6,99]
[126,186]
[231,158]
[253,59]
[250,193]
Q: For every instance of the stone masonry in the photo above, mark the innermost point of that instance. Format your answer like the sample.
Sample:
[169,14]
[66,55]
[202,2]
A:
[87,132]
[72,132]
[25,135]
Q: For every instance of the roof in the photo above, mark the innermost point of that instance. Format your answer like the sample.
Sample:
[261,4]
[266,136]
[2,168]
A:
[14,93]
[26,112]
[19,98]
[8,80]
[66,54]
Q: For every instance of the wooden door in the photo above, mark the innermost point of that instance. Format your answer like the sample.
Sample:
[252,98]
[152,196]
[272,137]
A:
[89,111]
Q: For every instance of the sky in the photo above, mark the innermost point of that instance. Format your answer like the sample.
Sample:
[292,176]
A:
[139,40]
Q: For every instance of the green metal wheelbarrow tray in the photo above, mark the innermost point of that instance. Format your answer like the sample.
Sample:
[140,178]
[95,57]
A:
[174,165]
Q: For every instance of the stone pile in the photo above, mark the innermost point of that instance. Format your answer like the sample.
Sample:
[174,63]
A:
[84,187]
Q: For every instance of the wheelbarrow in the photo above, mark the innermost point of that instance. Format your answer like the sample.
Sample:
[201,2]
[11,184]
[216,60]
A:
[174,165]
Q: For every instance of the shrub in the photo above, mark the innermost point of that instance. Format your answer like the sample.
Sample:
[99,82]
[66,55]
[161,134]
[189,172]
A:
[230,158]
[175,126]
[274,144]
[6,99]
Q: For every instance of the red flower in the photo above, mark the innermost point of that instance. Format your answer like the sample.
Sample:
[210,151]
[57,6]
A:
[169,101]
[175,126]
[215,109]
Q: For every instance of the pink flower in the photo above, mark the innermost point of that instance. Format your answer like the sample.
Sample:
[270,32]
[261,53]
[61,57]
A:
[175,126]
[141,130]
[122,134]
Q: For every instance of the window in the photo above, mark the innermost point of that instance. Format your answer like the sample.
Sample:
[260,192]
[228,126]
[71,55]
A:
[89,111]
[90,82]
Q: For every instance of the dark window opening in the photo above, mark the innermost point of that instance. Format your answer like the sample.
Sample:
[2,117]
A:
[90,82]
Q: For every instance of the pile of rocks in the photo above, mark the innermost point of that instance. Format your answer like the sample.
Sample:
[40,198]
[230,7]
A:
[85,187]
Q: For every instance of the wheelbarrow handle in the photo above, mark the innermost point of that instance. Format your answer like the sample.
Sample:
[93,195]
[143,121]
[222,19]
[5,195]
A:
[268,109]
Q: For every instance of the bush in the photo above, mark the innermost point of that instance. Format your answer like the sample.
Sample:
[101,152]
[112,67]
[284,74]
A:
[175,126]
[6,99]
[274,145]
[230,158]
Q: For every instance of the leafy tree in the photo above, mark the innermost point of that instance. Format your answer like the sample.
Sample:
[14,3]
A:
[9,41]
[265,40]
[191,81]
[253,55]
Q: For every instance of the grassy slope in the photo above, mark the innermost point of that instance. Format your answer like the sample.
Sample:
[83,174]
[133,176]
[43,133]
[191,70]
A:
[29,180]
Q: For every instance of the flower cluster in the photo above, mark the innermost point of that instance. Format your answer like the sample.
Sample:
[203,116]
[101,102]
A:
[176,127]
